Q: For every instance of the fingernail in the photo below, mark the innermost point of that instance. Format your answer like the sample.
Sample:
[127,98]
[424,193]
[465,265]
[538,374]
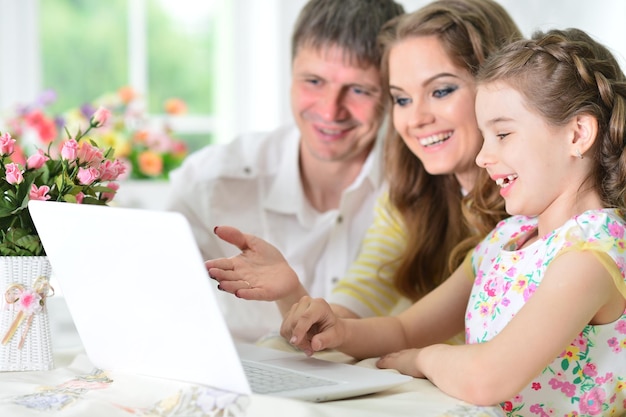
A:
[292,340]
[215,229]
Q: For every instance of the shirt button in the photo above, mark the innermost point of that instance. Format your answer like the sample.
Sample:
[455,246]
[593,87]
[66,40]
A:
[247,170]
[334,280]
[339,219]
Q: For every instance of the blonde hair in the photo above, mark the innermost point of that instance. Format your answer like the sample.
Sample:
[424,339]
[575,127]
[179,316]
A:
[442,224]
[565,73]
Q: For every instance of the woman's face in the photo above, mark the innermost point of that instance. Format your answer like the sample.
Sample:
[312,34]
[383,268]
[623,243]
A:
[433,108]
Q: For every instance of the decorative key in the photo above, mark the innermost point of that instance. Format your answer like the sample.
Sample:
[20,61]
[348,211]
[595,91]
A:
[41,288]
[11,296]
[27,302]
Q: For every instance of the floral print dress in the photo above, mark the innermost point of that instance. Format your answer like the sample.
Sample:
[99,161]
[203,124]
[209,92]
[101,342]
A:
[589,376]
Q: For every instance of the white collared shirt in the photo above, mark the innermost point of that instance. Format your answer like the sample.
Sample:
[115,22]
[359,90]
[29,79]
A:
[253,183]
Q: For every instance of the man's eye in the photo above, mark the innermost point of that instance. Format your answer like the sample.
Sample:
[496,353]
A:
[359,90]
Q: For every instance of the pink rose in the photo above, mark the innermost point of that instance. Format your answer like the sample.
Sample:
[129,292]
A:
[14,174]
[37,160]
[40,193]
[109,196]
[6,144]
[79,198]
[69,150]
[87,175]
[100,117]
[110,170]
[89,154]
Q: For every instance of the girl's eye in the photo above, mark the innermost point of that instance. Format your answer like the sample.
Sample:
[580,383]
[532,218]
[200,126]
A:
[502,135]
[401,101]
[442,92]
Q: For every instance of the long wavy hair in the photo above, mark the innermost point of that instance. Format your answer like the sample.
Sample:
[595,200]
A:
[442,224]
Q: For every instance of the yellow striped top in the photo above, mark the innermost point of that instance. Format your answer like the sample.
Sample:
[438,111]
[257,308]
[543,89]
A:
[367,289]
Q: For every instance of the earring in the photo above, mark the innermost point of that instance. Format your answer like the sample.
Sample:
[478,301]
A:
[578,154]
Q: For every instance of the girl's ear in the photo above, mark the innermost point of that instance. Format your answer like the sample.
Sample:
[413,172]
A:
[585,133]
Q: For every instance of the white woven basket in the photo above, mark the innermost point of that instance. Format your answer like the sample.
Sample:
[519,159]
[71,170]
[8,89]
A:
[35,354]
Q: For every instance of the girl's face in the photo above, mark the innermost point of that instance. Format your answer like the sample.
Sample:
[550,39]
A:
[531,160]
[433,108]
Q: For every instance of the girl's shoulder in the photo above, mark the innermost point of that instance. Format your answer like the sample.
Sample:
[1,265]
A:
[596,225]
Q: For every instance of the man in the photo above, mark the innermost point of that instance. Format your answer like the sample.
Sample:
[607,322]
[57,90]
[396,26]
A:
[308,189]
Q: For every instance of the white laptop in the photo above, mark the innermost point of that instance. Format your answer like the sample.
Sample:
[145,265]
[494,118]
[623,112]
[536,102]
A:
[141,300]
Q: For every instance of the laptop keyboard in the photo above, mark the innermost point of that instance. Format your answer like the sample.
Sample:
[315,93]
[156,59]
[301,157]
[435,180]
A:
[269,379]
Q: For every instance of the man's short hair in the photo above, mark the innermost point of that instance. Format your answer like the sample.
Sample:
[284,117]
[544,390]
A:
[351,25]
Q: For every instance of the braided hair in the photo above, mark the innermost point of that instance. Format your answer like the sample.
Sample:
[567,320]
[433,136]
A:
[565,73]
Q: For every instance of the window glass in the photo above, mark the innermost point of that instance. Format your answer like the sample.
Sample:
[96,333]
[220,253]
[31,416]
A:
[180,45]
[84,46]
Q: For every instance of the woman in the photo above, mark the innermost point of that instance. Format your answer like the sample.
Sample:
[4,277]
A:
[430,59]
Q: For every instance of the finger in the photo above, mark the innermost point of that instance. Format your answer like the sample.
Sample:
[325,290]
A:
[221,275]
[219,263]
[304,325]
[233,236]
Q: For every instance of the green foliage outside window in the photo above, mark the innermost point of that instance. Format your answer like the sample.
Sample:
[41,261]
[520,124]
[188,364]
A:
[85,54]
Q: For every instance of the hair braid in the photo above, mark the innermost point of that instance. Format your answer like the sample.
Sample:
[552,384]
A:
[582,77]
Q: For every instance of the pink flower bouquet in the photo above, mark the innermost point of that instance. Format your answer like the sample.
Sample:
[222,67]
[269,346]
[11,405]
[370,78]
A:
[80,172]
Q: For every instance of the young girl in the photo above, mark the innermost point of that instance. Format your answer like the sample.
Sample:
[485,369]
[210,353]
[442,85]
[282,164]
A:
[546,317]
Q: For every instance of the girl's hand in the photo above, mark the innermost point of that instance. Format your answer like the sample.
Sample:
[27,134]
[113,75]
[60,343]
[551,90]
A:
[311,325]
[405,361]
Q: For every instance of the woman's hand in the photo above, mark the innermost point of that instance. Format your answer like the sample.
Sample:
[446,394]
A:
[404,361]
[259,272]
[311,325]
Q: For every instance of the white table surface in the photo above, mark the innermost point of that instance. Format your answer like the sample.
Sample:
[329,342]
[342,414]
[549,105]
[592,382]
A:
[75,388]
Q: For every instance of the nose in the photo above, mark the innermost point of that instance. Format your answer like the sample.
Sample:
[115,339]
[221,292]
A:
[485,156]
[331,106]
[422,116]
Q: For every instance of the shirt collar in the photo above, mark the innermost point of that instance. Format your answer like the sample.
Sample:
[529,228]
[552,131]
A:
[287,196]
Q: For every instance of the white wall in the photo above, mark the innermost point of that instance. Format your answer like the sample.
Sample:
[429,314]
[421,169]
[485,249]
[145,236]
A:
[263,74]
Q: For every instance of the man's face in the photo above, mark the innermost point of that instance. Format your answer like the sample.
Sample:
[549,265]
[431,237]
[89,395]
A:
[337,106]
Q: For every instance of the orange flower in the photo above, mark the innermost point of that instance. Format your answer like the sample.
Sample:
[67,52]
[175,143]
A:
[127,94]
[175,106]
[150,163]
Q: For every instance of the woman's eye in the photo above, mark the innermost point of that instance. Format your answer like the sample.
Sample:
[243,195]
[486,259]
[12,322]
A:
[502,135]
[401,101]
[442,92]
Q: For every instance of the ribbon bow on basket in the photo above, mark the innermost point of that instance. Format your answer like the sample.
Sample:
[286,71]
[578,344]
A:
[27,302]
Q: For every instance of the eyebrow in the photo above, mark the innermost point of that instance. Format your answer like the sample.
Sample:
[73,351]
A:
[500,119]
[431,79]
